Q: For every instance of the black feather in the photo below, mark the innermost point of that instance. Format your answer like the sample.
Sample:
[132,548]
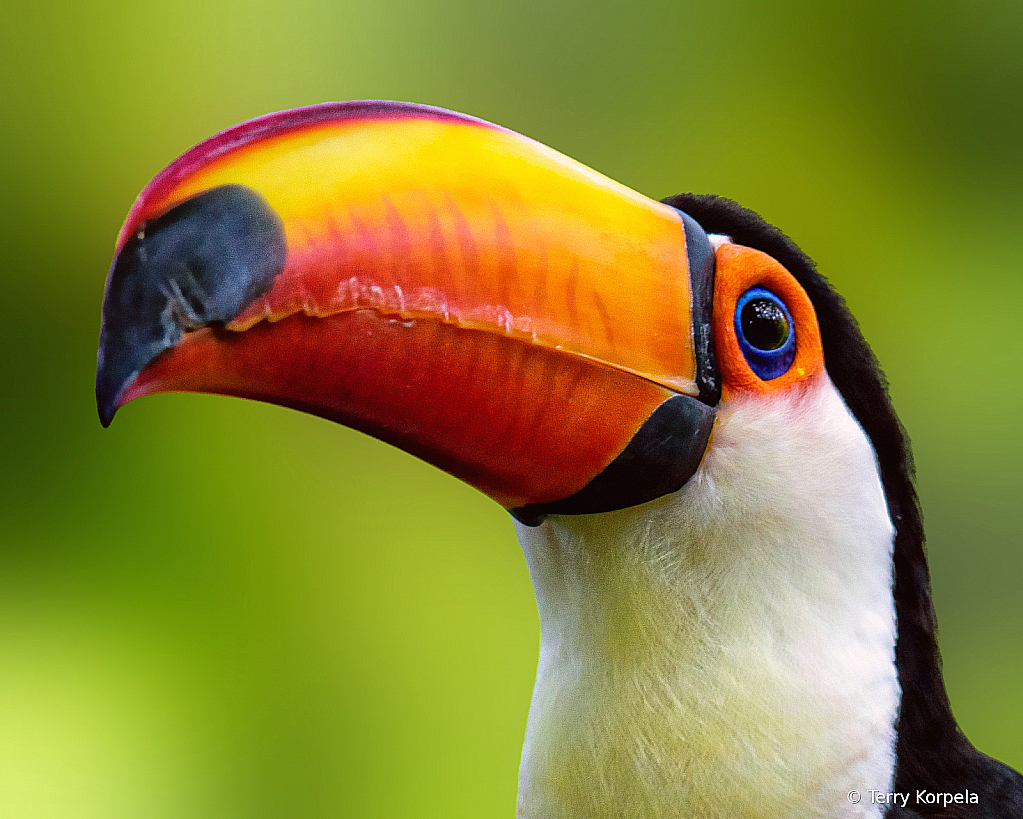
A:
[932,753]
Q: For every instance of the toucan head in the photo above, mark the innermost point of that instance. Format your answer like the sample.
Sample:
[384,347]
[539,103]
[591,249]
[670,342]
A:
[549,336]
[669,385]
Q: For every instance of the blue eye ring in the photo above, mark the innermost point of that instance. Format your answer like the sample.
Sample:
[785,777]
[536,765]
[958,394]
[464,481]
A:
[766,333]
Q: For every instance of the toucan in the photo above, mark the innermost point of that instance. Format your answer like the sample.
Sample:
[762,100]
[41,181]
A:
[712,491]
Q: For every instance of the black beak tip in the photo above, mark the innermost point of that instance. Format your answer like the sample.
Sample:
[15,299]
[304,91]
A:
[106,413]
[108,393]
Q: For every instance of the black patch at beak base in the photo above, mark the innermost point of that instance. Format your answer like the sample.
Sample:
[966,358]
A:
[661,457]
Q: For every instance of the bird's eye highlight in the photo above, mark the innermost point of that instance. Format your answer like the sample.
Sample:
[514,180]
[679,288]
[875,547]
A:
[766,333]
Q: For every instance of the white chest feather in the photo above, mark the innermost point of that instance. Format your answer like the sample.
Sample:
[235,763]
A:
[727,651]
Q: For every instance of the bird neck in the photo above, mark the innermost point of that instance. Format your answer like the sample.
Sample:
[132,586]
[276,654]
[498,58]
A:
[704,658]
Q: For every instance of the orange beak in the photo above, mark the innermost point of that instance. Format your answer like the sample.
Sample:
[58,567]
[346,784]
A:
[441,283]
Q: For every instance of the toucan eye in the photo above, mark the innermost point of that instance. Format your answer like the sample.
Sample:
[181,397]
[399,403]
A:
[765,332]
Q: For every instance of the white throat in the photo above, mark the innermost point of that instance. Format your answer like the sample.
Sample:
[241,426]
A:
[727,651]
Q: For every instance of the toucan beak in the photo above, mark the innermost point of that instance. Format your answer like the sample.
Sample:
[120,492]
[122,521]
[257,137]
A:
[444,284]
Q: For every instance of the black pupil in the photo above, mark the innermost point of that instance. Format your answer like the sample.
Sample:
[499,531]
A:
[764,324]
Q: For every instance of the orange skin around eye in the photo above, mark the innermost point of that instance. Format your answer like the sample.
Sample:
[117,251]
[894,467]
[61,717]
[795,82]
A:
[738,269]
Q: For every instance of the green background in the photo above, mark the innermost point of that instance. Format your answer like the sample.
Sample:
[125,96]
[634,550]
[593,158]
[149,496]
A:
[222,609]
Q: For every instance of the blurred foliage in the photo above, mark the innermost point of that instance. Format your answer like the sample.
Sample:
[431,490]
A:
[220,609]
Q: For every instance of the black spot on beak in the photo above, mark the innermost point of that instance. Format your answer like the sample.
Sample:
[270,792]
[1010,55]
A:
[199,264]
